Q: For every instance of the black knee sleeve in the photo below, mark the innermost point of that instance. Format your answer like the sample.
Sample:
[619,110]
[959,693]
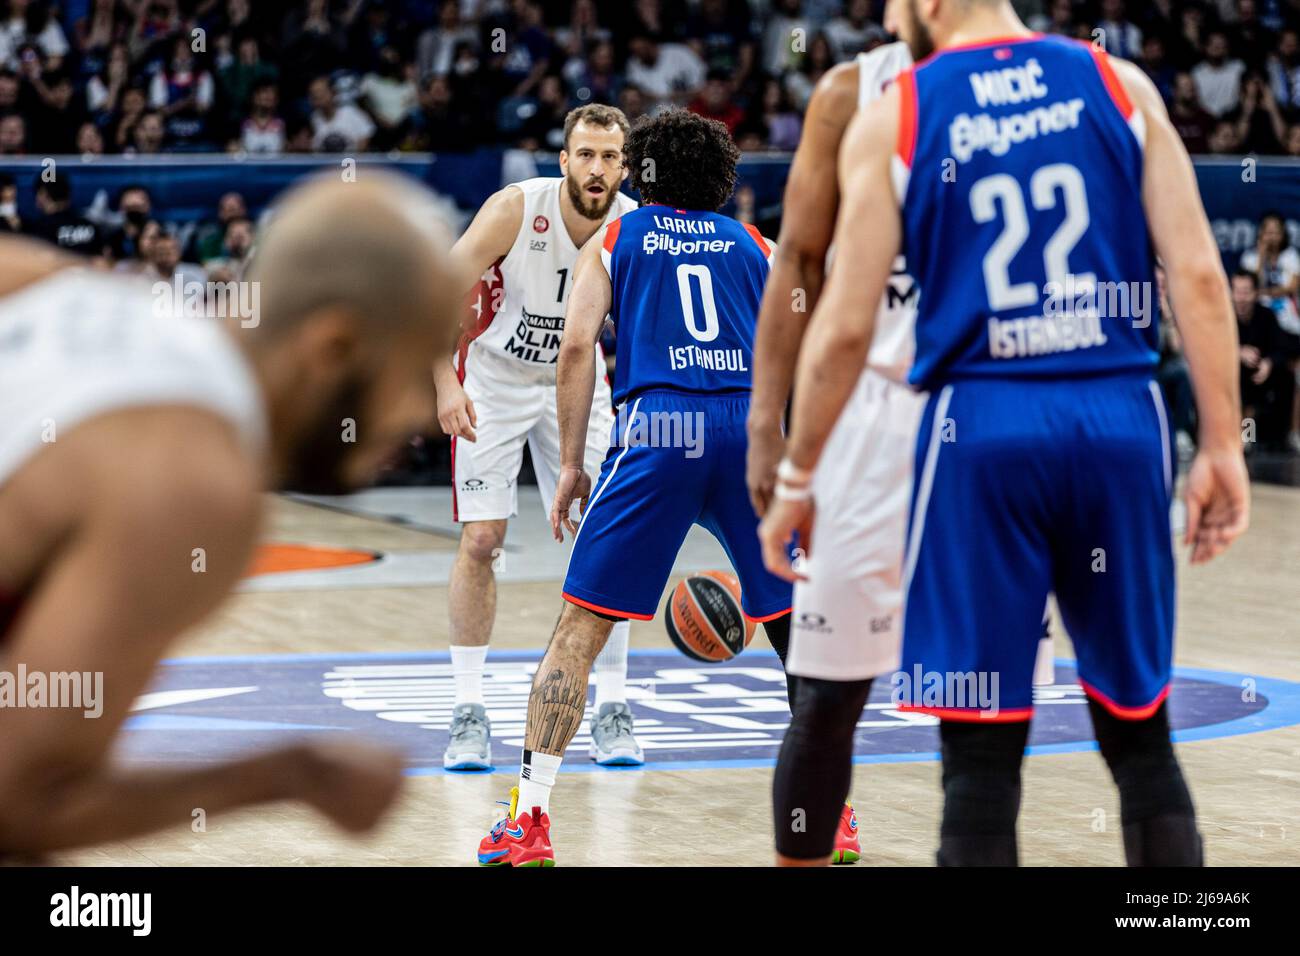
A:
[981,792]
[778,635]
[815,766]
[1155,805]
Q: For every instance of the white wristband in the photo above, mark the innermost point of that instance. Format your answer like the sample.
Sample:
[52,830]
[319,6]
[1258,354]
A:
[784,492]
[787,470]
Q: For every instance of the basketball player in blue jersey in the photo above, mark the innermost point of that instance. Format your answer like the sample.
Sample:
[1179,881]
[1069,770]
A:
[682,285]
[1030,181]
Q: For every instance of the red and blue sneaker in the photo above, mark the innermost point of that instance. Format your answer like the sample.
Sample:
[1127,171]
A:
[847,848]
[518,841]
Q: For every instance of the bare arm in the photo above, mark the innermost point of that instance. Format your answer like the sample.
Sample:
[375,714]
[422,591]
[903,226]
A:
[1218,499]
[868,234]
[798,269]
[122,588]
[589,303]
[489,237]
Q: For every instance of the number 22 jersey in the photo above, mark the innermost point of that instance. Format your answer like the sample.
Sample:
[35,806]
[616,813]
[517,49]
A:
[1019,172]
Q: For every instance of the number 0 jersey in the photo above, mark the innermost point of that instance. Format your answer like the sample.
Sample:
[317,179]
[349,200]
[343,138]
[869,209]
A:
[1019,171]
[686,292]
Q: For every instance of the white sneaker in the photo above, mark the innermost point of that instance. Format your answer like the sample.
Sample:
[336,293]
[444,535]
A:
[470,747]
[612,743]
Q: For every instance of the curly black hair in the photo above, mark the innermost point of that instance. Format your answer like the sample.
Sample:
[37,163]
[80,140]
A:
[682,160]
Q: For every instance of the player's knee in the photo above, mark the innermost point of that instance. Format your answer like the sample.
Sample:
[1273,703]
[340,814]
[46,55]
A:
[1140,755]
[481,541]
[826,712]
[580,632]
[981,786]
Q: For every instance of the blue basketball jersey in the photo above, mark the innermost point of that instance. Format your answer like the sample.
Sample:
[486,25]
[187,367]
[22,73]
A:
[1019,170]
[686,292]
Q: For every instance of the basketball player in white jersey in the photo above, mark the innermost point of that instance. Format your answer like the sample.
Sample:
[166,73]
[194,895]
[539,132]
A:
[136,442]
[498,393]
[845,627]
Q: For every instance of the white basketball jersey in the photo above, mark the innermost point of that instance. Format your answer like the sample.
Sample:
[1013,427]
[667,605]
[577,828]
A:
[530,286]
[894,344]
[80,343]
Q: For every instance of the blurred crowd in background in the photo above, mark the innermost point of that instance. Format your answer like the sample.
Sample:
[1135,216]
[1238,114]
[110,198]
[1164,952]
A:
[266,77]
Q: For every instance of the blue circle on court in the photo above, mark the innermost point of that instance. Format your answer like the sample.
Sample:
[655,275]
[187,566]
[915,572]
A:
[688,716]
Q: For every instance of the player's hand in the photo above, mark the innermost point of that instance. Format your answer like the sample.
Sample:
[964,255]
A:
[1218,502]
[573,484]
[353,782]
[783,519]
[1262,371]
[766,446]
[456,412]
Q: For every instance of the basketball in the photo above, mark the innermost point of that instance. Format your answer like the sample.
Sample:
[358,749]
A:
[704,619]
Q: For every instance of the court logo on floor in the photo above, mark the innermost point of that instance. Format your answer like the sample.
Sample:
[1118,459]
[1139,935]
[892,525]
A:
[687,716]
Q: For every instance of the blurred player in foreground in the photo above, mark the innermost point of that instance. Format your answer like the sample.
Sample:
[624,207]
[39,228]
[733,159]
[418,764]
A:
[682,285]
[498,393]
[1022,176]
[137,442]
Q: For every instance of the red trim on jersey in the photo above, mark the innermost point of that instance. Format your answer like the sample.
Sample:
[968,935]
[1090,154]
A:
[758,238]
[605,610]
[973,715]
[1125,713]
[906,145]
[766,617]
[611,236]
[484,295]
[979,44]
[1113,86]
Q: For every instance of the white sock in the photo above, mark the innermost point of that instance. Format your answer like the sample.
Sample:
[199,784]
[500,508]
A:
[536,777]
[611,667]
[467,667]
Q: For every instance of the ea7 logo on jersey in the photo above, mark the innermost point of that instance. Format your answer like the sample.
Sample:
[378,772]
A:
[536,245]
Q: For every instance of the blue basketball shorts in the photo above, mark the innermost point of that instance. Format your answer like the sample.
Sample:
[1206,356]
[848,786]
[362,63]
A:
[677,459]
[1025,487]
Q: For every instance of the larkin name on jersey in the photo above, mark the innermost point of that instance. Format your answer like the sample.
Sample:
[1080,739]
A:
[686,286]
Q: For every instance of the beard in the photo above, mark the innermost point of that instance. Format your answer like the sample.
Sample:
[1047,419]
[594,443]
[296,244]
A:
[588,207]
[918,38]
[316,464]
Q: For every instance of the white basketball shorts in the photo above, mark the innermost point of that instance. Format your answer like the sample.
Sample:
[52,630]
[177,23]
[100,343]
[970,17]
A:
[515,404]
[847,619]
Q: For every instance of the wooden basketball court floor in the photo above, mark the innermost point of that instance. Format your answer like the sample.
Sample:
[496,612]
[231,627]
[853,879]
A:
[1238,618]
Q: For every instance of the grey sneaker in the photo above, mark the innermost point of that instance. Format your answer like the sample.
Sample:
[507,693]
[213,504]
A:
[470,747]
[612,743]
